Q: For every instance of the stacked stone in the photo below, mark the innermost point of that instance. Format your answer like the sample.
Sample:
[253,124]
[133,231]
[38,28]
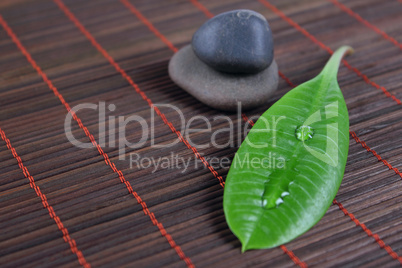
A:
[230,60]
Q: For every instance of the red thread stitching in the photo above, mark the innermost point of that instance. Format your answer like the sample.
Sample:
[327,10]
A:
[379,241]
[287,80]
[202,8]
[139,15]
[133,84]
[294,258]
[353,14]
[245,118]
[88,134]
[364,145]
[323,46]
[93,41]
[42,196]
[181,138]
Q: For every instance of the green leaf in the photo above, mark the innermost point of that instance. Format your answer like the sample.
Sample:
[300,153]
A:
[288,169]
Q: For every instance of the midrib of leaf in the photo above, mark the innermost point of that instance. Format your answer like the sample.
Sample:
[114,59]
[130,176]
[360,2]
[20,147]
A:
[292,163]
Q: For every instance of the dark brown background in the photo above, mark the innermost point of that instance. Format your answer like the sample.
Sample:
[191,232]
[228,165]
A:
[106,222]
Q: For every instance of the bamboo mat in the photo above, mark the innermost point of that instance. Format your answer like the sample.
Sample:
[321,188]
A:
[63,206]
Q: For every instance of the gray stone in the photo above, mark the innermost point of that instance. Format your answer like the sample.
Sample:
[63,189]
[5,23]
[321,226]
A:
[238,41]
[221,90]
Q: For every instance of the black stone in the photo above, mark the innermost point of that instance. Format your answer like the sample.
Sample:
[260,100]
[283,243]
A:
[221,90]
[238,41]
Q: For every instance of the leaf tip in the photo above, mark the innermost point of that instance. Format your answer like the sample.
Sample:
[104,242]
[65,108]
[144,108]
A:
[348,50]
[332,65]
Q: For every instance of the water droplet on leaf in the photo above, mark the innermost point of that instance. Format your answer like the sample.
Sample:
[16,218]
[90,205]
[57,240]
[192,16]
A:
[278,201]
[304,133]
